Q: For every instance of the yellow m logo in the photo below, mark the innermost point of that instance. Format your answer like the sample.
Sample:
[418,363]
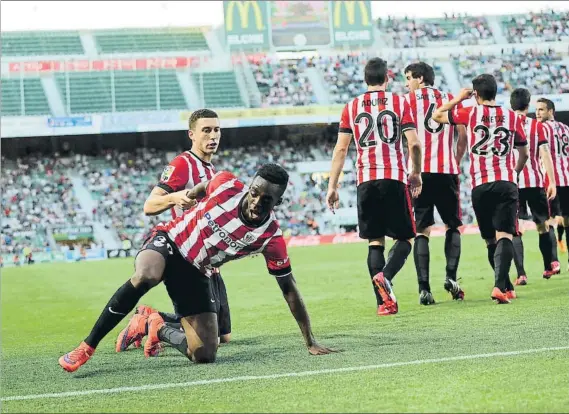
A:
[243,8]
[350,7]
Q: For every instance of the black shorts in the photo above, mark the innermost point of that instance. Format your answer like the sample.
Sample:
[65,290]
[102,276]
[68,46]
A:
[221,304]
[189,289]
[563,196]
[440,191]
[555,207]
[496,208]
[536,199]
[384,209]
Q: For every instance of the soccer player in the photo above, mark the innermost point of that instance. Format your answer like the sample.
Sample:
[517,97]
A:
[230,222]
[182,174]
[531,185]
[493,132]
[441,185]
[376,121]
[558,134]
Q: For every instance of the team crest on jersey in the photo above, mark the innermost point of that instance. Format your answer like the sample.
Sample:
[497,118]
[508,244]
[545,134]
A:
[167,173]
[249,238]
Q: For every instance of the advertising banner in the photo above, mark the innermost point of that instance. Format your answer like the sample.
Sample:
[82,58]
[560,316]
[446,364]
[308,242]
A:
[246,24]
[352,22]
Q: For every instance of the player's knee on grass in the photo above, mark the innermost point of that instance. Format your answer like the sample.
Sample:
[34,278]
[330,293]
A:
[202,335]
[149,268]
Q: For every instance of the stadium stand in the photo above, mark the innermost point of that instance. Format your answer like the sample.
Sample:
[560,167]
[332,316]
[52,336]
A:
[148,40]
[35,101]
[540,72]
[219,89]
[41,43]
[550,26]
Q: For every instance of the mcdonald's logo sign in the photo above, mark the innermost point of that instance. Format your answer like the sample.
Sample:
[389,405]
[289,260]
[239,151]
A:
[350,8]
[243,7]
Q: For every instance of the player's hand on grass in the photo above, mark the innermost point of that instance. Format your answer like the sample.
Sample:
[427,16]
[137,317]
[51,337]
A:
[333,200]
[182,200]
[317,349]
[415,184]
[551,192]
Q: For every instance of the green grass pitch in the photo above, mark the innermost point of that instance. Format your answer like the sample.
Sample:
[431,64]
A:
[405,361]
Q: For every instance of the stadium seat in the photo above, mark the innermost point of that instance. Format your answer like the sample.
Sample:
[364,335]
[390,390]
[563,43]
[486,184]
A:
[34,98]
[41,43]
[149,40]
[89,92]
[220,89]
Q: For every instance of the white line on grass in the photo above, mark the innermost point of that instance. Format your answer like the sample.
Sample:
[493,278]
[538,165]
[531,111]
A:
[151,387]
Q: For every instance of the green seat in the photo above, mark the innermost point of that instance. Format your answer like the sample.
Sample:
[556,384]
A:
[41,43]
[220,89]
[35,101]
[89,92]
[161,40]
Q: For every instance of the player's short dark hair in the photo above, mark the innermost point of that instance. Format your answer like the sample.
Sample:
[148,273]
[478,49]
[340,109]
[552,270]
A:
[273,173]
[548,103]
[199,114]
[485,86]
[422,69]
[519,99]
[375,72]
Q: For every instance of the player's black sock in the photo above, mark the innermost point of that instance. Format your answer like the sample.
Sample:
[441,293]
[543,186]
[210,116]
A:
[560,231]
[491,253]
[396,258]
[121,304]
[554,257]
[421,255]
[170,317]
[545,248]
[375,264]
[503,260]
[175,325]
[519,255]
[174,337]
[452,252]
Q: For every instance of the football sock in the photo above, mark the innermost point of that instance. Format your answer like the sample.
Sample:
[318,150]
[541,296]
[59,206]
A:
[503,260]
[546,249]
[554,257]
[121,304]
[560,231]
[491,254]
[170,317]
[174,337]
[375,264]
[396,258]
[421,255]
[452,252]
[519,255]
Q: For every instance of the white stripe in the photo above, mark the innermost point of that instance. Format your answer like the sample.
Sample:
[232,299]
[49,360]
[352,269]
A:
[152,387]
[190,184]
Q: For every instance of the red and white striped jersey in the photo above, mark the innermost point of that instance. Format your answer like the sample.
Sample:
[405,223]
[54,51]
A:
[377,120]
[492,133]
[213,232]
[437,140]
[558,136]
[185,172]
[532,175]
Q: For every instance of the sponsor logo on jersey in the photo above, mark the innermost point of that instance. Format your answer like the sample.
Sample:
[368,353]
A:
[167,173]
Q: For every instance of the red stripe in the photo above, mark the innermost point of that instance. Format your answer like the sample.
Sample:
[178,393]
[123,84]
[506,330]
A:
[428,138]
[371,151]
[449,139]
[483,170]
[193,172]
[499,172]
[398,105]
[356,130]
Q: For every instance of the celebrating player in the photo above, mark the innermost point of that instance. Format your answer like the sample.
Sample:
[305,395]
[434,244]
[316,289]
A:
[182,174]
[440,179]
[558,134]
[492,131]
[531,185]
[229,223]
[376,120]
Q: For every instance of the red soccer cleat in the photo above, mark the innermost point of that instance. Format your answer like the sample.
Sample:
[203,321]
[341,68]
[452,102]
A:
[74,359]
[555,269]
[145,311]
[152,347]
[134,331]
[511,294]
[522,280]
[390,309]
[499,296]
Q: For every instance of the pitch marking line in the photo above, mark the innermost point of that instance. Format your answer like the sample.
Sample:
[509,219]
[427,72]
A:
[276,376]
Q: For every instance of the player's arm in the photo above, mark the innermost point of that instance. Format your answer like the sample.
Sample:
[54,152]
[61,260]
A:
[461,144]
[278,265]
[441,114]
[338,159]
[521,143]
[161,200]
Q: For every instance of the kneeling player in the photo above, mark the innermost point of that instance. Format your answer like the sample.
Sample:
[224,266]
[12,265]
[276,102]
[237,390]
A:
[231,222]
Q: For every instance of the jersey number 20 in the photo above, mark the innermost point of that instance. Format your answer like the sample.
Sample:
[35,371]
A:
[366,139]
